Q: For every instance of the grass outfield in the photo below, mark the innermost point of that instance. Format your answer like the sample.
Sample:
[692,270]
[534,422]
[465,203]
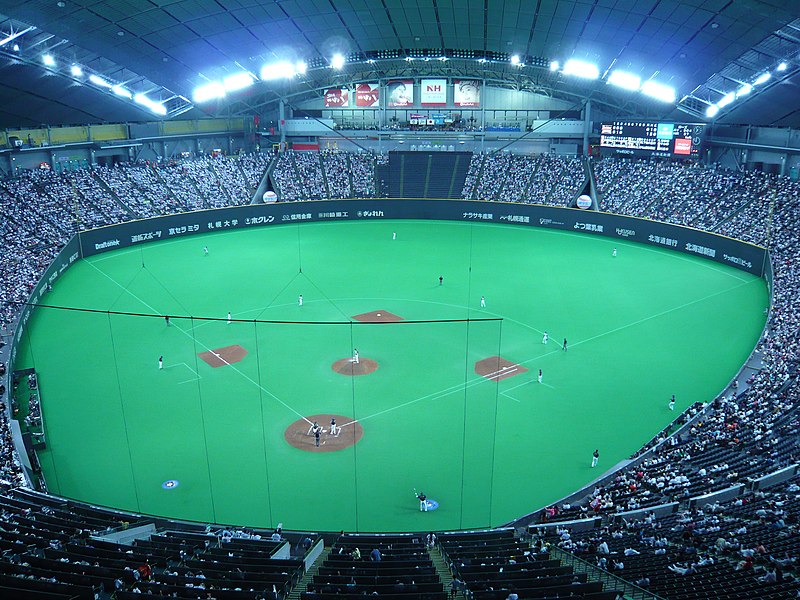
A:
[641,326]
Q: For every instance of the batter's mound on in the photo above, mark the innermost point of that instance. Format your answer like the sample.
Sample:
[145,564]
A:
[219,357]
[348,433]
[346,366]
[378,316]
[497,368]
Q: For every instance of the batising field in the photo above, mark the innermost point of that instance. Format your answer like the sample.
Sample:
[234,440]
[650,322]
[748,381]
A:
[226,417]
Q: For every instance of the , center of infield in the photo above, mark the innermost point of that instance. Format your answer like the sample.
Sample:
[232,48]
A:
[324,433]
[348,366]
[498,368]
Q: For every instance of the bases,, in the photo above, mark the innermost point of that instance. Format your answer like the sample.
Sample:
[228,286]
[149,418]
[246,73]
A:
[432,505]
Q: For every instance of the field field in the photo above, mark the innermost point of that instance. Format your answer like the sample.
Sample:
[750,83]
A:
[640,326]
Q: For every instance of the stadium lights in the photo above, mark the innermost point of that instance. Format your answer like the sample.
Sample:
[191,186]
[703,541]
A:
[207,92]
[237,82]
[142,99]
[659,91]
[763,78]
[154,106]
[15,35]
[281,70]
[712,111]
[122,92]
[554,65]
[726,99]
[99,81]
[782,66]
[48,60]
[76,71]
[515,59]
[626,81]
[581,69]
[744,90]
[337,61]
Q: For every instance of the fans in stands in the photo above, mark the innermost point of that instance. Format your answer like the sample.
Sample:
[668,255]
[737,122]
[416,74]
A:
[286,183]
[362,167]
[736,438]
[10,469]
[329,174]
[539,179]
[337,174]
[254,165]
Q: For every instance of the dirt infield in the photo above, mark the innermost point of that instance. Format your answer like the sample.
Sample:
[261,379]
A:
[219,357]
[497,368]
[378,316]
[346,366]
[297,434]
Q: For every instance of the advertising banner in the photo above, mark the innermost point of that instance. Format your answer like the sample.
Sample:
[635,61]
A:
[741,255]
[337,98]
[400,93]
[467,92]
[434,92]
[683,146]
[368,95]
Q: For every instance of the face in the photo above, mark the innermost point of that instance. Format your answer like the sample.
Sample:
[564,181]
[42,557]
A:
[400,94]
[468,91]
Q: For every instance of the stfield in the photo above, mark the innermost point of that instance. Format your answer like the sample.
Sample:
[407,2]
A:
[641,326]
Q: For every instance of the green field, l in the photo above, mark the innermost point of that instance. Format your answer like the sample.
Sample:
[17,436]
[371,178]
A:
[641,326]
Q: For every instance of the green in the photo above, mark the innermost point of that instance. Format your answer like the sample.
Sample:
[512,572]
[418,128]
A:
[641,326]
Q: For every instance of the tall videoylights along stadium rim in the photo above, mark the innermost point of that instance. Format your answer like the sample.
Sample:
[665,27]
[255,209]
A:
[371,508]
